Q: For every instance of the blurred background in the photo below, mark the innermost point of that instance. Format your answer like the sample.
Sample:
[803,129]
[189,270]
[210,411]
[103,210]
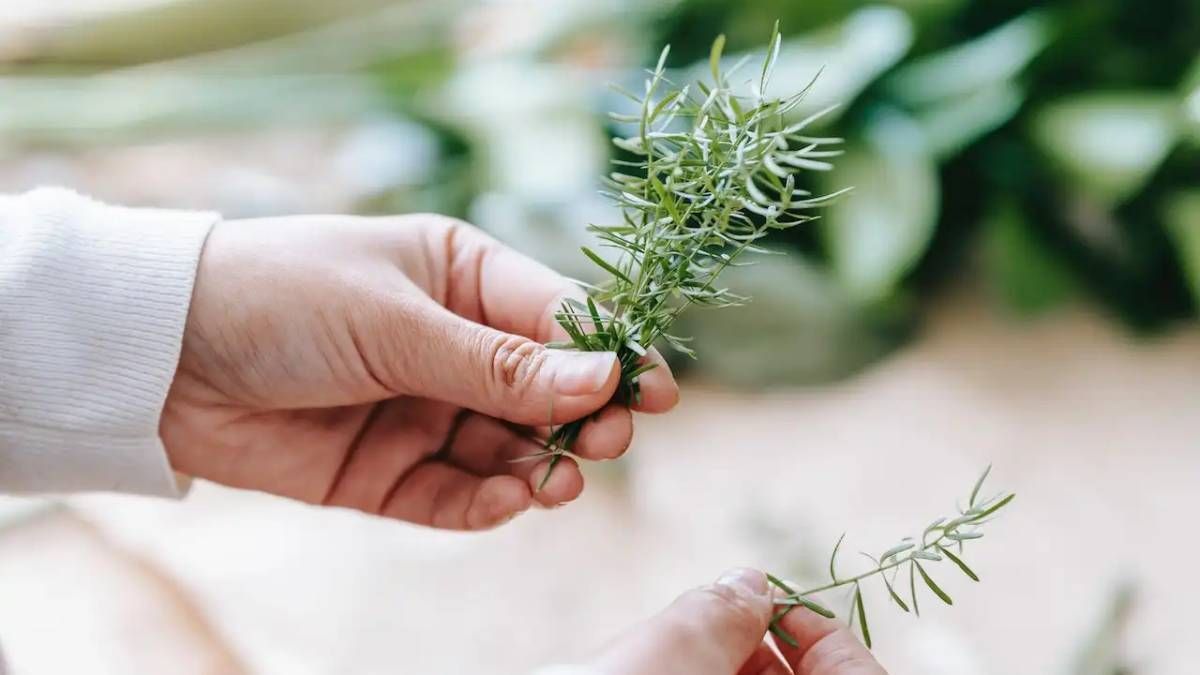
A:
[1013,280]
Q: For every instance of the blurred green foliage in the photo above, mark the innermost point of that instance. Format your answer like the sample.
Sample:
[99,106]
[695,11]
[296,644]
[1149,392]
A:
[1048,147]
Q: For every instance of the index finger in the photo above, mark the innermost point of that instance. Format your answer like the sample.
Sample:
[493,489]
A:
[826,646]
[490,283]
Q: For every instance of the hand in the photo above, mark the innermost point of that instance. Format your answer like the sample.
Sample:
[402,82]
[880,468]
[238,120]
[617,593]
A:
[389,365]
[719,630]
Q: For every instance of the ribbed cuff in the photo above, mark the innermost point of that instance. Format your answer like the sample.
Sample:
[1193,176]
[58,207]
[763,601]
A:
[93,303]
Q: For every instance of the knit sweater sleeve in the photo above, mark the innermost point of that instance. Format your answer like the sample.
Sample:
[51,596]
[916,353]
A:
[93,302]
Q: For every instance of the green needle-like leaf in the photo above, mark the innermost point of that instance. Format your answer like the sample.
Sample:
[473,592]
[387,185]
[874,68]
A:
[912,587]
[933,586]
[816,607]
[605,265]
[780,633]
[961,565]
[862,616]
[833,559]
[780,584]
[714,57]
[892,592]
[595,313]
[978,485]
[896,550]
[995,507]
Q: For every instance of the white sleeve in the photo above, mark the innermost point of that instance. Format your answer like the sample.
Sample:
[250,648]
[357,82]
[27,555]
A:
[93,301]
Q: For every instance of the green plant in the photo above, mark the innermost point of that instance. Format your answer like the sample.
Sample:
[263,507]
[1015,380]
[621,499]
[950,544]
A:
[712,172]
[933,546]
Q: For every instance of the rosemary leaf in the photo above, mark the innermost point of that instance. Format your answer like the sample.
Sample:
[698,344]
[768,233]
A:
[862,616]
[937,590]
[961,565]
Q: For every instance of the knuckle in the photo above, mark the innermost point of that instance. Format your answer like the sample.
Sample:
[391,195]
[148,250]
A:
[447,227]
[516,362]
[436,232]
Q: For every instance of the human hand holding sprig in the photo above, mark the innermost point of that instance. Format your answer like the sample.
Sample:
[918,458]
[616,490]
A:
[392,365]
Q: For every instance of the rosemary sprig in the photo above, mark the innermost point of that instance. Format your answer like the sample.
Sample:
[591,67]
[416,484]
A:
[712,172]
[933,546]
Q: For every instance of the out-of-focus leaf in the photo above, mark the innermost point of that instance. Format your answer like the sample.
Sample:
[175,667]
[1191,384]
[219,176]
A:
[690,25]
[1191,102]
[990,60]
[112,107]
[964,92]
[796,310]
[165,30]
[1182,218]
[1026,276]
[951,125]
[556,159]
[1109,143]
[877,233]
[1102,652]
[1191,110]
[849,56]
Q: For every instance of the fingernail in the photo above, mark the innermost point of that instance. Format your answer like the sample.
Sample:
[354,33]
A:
[745,579]
[579,373]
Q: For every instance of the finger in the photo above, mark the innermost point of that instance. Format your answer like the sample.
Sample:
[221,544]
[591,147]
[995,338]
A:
[395,436]
[765,661]
[443,356]
[826,647]
[659,392]
[712,630]
[604,435]
[564,485]
[486,447]
[446,497]
[491,284]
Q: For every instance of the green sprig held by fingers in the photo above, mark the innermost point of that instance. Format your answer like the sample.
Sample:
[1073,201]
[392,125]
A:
[713,172]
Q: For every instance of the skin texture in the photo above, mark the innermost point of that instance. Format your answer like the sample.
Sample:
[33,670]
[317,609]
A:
[390,365]
[719,630]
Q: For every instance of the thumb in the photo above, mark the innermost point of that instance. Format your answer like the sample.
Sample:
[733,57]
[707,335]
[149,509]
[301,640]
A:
[504,375]
[712,630]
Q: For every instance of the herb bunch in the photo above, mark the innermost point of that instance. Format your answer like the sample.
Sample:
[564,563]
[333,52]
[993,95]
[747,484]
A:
[933,546]
[710,171]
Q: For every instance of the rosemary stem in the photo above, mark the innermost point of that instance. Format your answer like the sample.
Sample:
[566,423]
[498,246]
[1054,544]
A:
[896,562]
